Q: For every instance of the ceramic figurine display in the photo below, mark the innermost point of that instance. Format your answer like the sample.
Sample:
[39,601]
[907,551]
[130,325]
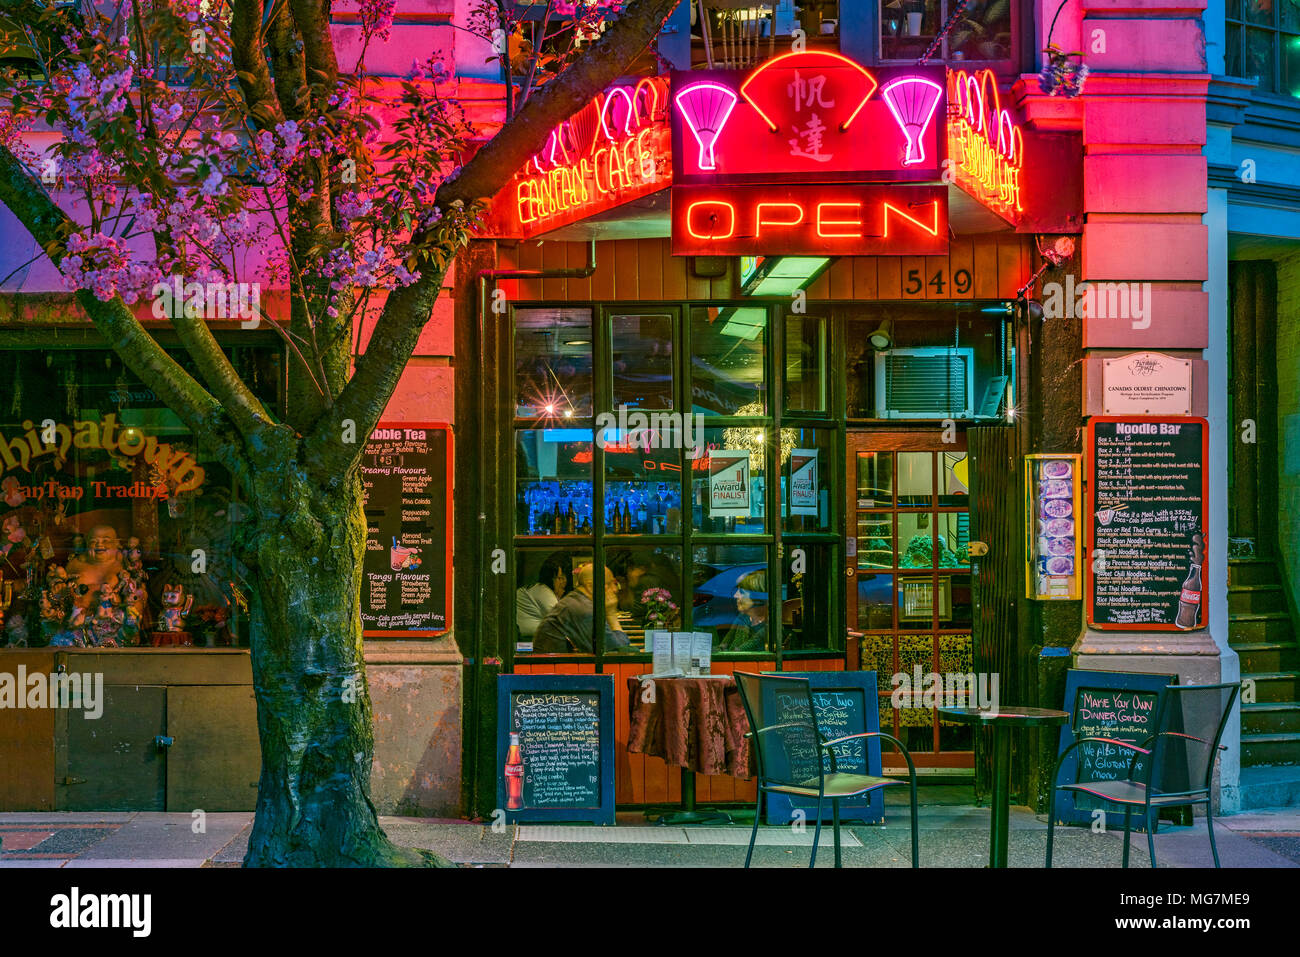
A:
[96,600]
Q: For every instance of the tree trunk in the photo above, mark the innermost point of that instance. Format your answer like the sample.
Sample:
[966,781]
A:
[313,703]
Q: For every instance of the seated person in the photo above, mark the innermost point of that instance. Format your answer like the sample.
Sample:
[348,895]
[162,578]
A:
[532,603]
[567,626]
[637,571]
[749,632]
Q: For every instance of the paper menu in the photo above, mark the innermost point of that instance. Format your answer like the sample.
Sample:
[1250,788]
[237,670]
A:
[660,645]
[688,653]
[701,644]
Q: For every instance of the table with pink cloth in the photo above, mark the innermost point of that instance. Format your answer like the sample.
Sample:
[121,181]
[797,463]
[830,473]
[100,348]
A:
[698,724]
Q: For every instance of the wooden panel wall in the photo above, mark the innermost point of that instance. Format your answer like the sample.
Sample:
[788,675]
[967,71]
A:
[642,779]
[989,266]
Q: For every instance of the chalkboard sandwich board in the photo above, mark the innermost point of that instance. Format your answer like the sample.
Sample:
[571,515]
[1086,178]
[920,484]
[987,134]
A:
[555,748]
[846,703]
[406,482]
[1148,489]
[1120,705]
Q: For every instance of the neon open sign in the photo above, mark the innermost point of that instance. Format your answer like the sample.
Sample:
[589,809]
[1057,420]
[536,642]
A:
[842,219]
[985,145]
[813,116]
[615,149]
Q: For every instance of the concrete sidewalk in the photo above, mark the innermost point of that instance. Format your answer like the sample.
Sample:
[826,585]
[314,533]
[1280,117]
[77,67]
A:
[951,836]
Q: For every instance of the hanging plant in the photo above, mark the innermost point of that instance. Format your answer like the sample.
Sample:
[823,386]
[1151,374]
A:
[1061,76]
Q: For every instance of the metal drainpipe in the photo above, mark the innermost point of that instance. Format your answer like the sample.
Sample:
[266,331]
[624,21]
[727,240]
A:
[488,277]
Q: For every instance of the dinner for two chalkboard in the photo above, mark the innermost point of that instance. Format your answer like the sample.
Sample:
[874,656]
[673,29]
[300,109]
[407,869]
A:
[555,748]
[1119,705]
[406,480]
[846,703]
[1147,543]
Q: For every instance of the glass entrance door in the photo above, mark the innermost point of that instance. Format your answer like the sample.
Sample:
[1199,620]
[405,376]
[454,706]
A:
[910,581]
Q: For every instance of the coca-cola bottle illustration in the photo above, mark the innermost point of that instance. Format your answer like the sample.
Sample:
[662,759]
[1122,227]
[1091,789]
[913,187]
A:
[1189,599]
[514,772]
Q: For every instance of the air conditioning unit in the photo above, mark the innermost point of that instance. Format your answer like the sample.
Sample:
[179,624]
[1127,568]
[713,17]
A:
[925,383]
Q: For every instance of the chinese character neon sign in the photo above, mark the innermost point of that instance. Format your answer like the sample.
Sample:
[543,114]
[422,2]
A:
[985,145]
[840,219]
[812,116]
[615,149]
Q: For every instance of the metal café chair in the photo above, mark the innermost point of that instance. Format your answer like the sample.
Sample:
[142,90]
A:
[789,752]
[1177,765]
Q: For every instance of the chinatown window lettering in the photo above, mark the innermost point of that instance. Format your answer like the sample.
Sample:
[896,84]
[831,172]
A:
[985,145]
[615,149]
[176,465]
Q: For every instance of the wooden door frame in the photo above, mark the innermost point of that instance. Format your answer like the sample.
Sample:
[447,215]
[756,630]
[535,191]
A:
[921,437]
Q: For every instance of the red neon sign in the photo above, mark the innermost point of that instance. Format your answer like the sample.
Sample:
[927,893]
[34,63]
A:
[615,149]
[814,116]
[985,145]
[809,220]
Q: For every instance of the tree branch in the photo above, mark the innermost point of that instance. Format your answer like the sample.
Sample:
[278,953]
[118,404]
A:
[244,408]
[27,199]
[249,57]
[408,309]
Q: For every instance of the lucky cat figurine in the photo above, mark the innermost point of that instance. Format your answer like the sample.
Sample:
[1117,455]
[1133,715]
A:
[175,606]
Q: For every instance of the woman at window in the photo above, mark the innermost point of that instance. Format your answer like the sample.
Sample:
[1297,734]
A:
[749,632]
[533,603]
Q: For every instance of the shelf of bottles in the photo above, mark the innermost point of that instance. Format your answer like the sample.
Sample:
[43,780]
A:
[631,508]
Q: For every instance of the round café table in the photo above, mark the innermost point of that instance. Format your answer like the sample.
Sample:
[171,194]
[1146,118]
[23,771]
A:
[694,722]
[1002,720]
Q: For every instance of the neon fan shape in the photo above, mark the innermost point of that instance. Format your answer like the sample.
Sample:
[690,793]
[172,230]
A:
[912,100]
[706,107]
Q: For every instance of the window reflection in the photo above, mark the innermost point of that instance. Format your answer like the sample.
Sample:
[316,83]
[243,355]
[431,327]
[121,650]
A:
[553,363]
[805,600]
[641,354]
[731,598]
[728,347]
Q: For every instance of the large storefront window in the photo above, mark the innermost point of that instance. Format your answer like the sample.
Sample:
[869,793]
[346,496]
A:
[773,479]
[646,448]
[118,529]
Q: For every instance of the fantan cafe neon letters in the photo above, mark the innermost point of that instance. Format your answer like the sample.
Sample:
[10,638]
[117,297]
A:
[985,145]
[834,219]
[615,149]
[812,116]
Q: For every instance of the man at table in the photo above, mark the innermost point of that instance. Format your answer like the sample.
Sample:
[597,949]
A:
[567,626]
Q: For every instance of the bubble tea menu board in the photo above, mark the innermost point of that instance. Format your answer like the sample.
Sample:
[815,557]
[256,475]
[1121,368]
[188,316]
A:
[406,481]
[1147,542]
[1052,526]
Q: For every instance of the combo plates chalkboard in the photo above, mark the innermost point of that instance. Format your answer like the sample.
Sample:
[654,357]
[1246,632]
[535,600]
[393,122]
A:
[846,703]
[1105,704]
[565,725]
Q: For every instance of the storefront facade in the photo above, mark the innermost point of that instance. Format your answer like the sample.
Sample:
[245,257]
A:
[878,398]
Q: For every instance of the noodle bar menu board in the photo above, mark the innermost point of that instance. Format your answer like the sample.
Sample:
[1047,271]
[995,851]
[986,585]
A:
[555,748]
[406,482]
[1147,542]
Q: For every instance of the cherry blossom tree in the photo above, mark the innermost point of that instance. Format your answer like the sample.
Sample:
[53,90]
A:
[221,141]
